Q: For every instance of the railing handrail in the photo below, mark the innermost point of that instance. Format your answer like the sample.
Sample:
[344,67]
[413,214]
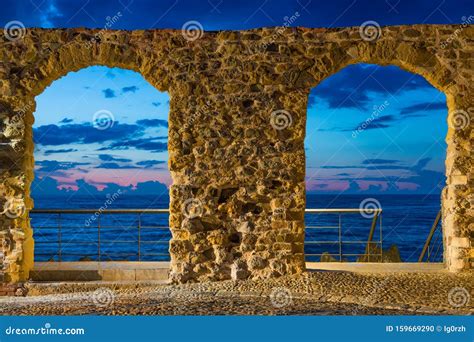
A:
[343,210]
[105,211]
[340,212]
[164,211]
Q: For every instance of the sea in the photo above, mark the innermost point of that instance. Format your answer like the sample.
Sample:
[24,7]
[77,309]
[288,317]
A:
[405,223]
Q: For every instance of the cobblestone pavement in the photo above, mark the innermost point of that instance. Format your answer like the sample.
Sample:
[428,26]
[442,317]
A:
[317,293]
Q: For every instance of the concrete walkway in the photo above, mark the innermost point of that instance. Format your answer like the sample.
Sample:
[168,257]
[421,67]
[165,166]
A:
[310,293]
[148,271]
[372,267]
[105,271]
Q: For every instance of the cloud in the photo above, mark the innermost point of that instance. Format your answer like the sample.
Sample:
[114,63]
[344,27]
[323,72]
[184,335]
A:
[148,144]
[63,150]
[49,187]
[131,89]
[352,86]
[112,165]
[416,179]
[156,104]
[83,133]
[381,164]
[152,123]
[384,121]
[150,163]
[110,74]
[423,107]
[109,93]
[380,161]
[66,121]
[108,157]
[49,13]
[56,168]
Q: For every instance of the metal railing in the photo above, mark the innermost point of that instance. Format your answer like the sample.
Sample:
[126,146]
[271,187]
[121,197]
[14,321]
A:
[432,248]
[372,249]
[104,232]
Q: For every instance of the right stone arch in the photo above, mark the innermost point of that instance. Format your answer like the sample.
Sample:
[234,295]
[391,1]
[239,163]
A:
[439,69]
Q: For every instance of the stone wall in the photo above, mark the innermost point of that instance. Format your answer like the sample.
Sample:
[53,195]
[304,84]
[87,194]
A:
[236,132]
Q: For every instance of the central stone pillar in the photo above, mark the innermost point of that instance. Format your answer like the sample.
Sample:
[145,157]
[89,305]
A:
[238,195]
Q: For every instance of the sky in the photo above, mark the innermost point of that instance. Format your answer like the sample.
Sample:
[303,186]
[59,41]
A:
[370,129]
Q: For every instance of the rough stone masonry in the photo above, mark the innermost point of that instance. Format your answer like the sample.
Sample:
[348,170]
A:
[236,132]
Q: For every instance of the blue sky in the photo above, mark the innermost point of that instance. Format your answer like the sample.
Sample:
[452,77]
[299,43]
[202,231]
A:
[132,149]
[400,150]
[230,14]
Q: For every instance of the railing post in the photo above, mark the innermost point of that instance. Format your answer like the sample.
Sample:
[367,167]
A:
[381,239]
[340,239]
[98,237]
[139,235]
[371,235]
[59,238]
[430,236]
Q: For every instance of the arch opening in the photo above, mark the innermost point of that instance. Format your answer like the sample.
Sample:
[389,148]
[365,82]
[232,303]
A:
[101,185]
[375,140]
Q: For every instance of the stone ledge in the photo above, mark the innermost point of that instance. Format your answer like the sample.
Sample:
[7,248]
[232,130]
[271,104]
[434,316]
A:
[18,290]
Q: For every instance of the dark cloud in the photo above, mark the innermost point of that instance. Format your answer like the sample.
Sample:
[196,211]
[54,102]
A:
[384,121]
[113,165]
[109,157]
[381,164]
[380,161]
[109,93]
[66,121]
[63,150]
[387,167]
[342,167]
[84,133]
[150,163]
[148,144]
[56,168]
[380,122]
[423,107]
[351,87]
[131,89]
[152,123]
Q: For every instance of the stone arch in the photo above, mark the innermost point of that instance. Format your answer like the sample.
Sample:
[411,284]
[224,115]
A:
[223,90]
[71,56]
[433,65]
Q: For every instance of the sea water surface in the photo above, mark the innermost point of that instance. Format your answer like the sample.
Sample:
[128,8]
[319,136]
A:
[405,222]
